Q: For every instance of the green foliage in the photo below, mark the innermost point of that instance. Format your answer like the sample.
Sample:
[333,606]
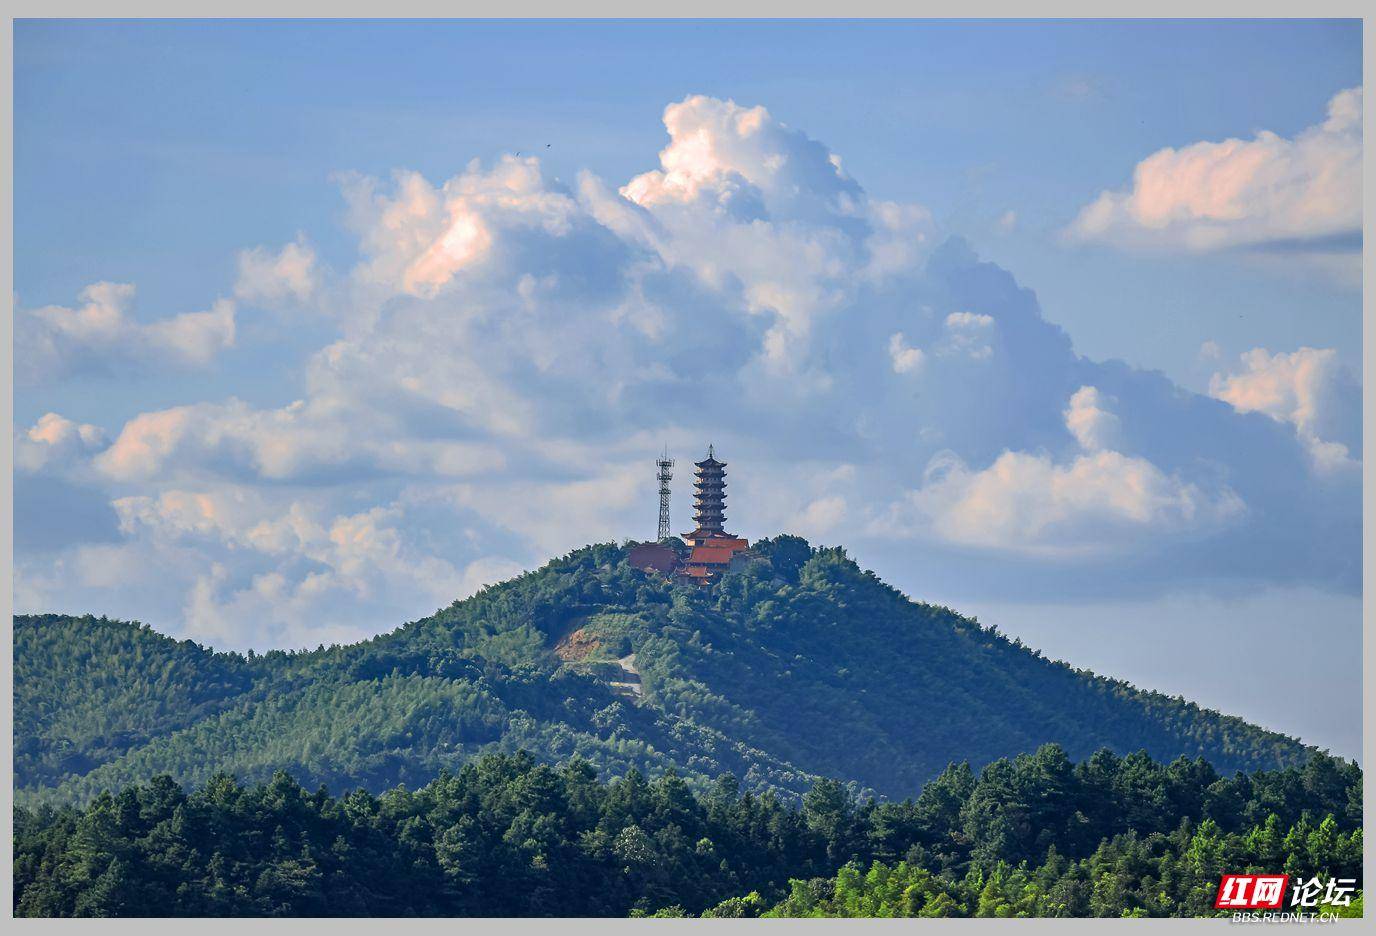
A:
[800,666]
[507,836]
[89,689]
[1133,875]
[786,555]
[1022,841]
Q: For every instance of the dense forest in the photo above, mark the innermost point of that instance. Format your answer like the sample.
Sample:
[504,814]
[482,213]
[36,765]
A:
[1035,835]
[798,667]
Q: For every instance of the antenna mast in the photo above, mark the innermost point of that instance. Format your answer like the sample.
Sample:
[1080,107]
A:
[665,464]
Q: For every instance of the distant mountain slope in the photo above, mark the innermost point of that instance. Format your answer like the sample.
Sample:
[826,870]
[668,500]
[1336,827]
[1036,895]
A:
[88,689]
[802,665]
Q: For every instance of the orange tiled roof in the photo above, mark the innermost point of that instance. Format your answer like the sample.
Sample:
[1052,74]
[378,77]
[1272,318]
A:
[734,542]
[712,555]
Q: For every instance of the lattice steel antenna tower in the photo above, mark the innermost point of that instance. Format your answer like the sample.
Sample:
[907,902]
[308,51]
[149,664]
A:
[665,464]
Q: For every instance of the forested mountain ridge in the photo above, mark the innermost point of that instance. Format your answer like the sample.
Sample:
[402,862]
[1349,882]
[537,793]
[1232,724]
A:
[802,665]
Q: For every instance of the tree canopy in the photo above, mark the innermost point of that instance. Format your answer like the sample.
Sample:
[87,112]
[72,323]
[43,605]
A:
[506,835]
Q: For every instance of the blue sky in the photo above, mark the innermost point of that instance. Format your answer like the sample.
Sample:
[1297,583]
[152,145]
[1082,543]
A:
[338,397]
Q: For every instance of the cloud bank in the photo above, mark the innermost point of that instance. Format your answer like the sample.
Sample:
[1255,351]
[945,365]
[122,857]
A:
[511,351]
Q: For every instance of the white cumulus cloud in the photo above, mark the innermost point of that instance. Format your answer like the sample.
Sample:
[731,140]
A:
[722,154]
[303,439]
[417,239]
[1307,388]
[1027,503]
[99,334]
[55,442]
[1091,420]
[1239,193]
[275,571]
[905,359]
[266,276]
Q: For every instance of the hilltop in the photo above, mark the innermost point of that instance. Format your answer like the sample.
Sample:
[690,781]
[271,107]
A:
[801,665]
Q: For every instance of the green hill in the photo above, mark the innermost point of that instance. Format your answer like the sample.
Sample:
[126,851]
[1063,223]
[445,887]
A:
[802,665]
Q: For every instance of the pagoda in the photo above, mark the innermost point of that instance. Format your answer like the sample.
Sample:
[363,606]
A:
[709,498]
[713,548]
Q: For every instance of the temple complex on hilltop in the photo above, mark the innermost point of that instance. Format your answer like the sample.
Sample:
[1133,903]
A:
[714,551]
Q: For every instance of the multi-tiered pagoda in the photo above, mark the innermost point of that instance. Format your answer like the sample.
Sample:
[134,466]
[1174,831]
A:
[709,499]
[713,547]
